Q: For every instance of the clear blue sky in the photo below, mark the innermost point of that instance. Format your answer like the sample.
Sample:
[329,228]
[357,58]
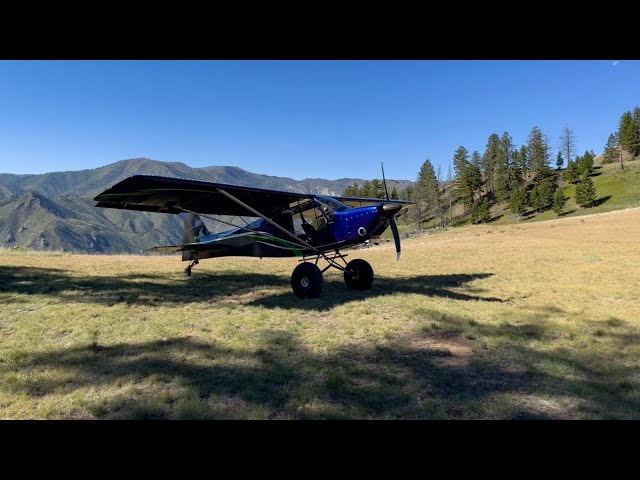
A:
[329,119]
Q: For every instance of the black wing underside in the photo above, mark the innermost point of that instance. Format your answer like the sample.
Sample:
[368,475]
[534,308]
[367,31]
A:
[175,195]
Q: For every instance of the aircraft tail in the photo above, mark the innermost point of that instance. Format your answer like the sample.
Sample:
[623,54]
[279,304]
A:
[192,230]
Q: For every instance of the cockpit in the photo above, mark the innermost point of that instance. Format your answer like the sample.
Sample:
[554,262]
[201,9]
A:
[331,204]
[312,216]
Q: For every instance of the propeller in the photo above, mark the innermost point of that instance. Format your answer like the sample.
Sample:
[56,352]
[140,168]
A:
[392,220]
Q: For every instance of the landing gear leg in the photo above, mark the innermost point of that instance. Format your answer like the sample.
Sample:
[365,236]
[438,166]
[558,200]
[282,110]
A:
[306,280]
[191,265]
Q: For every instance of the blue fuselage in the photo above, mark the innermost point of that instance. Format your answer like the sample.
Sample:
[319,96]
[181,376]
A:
[346,227]
[358,224]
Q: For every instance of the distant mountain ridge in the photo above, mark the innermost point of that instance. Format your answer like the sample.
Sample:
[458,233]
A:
[55,211]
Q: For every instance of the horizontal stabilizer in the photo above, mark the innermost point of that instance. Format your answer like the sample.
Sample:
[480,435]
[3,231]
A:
[167,249]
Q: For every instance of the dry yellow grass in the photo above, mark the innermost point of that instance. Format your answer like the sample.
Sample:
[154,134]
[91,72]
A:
[512,321]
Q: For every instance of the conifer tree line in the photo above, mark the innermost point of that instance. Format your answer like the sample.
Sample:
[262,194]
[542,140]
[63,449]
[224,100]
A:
[625,142]
[522,179]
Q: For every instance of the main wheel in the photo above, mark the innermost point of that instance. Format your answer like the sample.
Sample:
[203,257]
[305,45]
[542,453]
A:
[188,271]
[358,275]
[306,280]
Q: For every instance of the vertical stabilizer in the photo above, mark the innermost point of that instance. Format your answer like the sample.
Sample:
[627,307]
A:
[193,229]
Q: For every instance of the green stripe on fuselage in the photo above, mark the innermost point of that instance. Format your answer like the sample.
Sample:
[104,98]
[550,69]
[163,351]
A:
[285,243]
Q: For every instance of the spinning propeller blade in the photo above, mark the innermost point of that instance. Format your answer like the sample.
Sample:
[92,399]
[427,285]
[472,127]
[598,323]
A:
[396,236]
[384,182]
[392,220]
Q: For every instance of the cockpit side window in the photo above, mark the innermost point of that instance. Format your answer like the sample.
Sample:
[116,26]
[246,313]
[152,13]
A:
[331,203]
[316,212]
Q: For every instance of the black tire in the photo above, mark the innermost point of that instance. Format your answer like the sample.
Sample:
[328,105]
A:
[358,275]
[188,271]
[306,281]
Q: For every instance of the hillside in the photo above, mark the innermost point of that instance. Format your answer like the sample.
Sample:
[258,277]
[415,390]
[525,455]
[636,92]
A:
[89,183]
[55,211]
[37,222]
[616,189]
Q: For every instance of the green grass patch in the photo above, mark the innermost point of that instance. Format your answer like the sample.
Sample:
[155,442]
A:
[519,321]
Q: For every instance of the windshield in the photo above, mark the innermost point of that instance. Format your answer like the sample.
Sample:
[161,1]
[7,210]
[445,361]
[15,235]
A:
[333,204]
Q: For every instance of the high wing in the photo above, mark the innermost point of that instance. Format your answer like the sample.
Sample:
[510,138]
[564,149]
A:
[363,202]
[175,195]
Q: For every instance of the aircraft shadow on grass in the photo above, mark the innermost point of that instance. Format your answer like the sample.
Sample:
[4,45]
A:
[157,289]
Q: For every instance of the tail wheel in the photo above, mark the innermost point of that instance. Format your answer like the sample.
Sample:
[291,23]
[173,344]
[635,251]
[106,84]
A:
[358,275]
[306,280]
[190,266]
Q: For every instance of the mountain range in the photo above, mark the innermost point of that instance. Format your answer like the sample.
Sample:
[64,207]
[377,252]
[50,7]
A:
[55,211]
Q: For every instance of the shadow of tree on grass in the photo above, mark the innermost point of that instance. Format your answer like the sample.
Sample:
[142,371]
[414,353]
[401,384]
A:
[419,374]
[601,200]
[414,376]
[147,289]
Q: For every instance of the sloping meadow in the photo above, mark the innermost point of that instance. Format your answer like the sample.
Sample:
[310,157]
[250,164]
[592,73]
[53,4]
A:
[500,322]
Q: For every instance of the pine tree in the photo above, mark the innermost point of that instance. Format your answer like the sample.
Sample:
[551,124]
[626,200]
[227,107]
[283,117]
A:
[567,143]
[351,190]
[518,203]
[461,168]
[480,213]
[559,161]
[523,163]
[450,192]
[427,184]
[515,173]
[490,160]
[585,191]
[636,121]
[440,207]
[394,194]
[629,134]
[538,153]
[377,189]
[572,173]
[504,179]
[475,175]
[586,162]
[460,162]
[366,190]
[611,149]
[546,191]
[408,215]
[534,198]
[559,201]
[579,196]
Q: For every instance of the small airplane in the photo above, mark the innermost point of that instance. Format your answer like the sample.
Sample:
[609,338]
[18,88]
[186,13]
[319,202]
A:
[287,224]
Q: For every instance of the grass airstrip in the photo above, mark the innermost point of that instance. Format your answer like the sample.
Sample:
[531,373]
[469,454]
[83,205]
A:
[525,321]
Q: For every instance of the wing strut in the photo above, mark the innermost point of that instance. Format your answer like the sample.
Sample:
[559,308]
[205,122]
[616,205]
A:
[240,227]
[257,213]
